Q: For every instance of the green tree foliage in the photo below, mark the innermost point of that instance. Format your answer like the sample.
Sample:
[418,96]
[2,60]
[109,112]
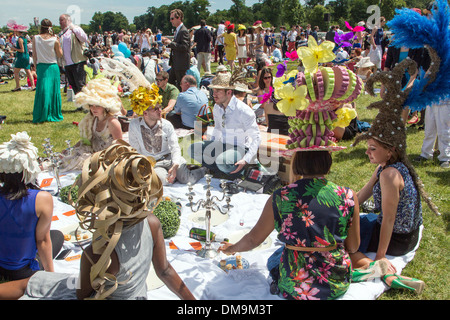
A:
[271,12]
[108,21]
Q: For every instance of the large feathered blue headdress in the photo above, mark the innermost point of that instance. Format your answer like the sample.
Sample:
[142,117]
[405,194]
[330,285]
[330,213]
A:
[414,31]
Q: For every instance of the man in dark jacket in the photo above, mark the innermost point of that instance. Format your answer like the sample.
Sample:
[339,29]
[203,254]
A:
[203,37]
[179,49]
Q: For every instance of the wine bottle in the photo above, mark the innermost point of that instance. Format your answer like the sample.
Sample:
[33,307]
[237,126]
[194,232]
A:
[200,234]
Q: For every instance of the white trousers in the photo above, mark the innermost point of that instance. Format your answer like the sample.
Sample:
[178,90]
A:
[437,125]
[204,57]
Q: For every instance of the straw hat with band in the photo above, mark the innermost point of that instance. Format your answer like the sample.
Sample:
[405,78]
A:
[221,81]
[313,100]
[242,87]
[20,155]
[117,188]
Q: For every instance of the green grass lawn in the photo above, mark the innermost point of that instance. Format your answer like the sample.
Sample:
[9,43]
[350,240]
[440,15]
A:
[351,168]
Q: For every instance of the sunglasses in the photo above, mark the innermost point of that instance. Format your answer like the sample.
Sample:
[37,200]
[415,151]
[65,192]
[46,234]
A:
[223,120]
[159,80]
[269,77]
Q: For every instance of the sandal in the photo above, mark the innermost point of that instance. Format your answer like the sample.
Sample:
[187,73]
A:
[412,284]
[16,89]
[414,119]
[376,269]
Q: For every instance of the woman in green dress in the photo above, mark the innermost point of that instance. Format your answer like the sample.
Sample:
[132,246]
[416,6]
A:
[46,49]
[22,60]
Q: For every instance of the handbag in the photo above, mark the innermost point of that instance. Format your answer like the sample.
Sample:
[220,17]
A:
[205,115]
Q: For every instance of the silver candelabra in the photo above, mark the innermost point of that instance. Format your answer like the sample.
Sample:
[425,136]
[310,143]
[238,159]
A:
[55,161]
[209,203]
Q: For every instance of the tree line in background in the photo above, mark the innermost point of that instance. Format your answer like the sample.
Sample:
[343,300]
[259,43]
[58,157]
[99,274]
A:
[271,12]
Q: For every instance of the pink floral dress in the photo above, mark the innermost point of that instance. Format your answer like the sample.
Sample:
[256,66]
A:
[313,213]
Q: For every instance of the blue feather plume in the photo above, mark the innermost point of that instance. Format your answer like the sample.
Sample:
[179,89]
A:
[414,31]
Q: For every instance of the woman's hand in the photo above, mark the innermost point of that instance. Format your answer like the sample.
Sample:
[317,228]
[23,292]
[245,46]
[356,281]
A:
[391,268]
[225,248]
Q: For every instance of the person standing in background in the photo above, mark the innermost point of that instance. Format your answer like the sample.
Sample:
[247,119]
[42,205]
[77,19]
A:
[46,50]
[203,38]
[22,60]
[72,38]
[180,49]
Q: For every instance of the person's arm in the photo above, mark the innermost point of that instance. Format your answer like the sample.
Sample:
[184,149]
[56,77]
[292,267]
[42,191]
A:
[79,33]
[163,268]
[353,239]
[184,45]
[372,37]
[33,43]
[391,182]
[251,130]
[134,134]
[170,106]
[367,191]
[175,152]
[44,211]
[115,128]
[58,49]
[257,235]
[21,48]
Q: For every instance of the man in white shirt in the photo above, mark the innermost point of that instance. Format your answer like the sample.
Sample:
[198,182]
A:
[151,135]
[292,37]
[235,139]
[219,42]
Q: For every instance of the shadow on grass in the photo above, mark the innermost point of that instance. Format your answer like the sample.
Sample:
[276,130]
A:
[20,121]
[443,177]
[351,153]
[70,111]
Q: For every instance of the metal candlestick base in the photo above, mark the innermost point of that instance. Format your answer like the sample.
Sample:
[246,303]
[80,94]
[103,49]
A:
[209,204]
[207,253]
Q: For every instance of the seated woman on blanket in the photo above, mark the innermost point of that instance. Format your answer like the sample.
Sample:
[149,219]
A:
[127,237]
[319,223]
[26,242]
[100,127]
[395,231]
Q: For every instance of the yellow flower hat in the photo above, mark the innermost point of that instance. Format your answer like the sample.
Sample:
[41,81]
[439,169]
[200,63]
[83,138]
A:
[313,100]
[143,98]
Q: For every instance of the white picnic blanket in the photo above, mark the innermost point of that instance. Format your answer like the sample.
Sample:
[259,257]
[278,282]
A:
[203,276]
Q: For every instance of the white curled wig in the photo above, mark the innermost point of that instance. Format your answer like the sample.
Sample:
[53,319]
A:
[99,92]
[20,155]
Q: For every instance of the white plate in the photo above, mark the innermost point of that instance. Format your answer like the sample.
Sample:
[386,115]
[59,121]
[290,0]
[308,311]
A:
[86,236]
[216,217]
[232,261]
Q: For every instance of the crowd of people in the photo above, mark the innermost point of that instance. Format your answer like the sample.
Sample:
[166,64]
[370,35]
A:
[319,263]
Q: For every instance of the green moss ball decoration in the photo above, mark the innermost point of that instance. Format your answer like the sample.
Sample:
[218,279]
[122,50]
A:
[167,213]
[64,193]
